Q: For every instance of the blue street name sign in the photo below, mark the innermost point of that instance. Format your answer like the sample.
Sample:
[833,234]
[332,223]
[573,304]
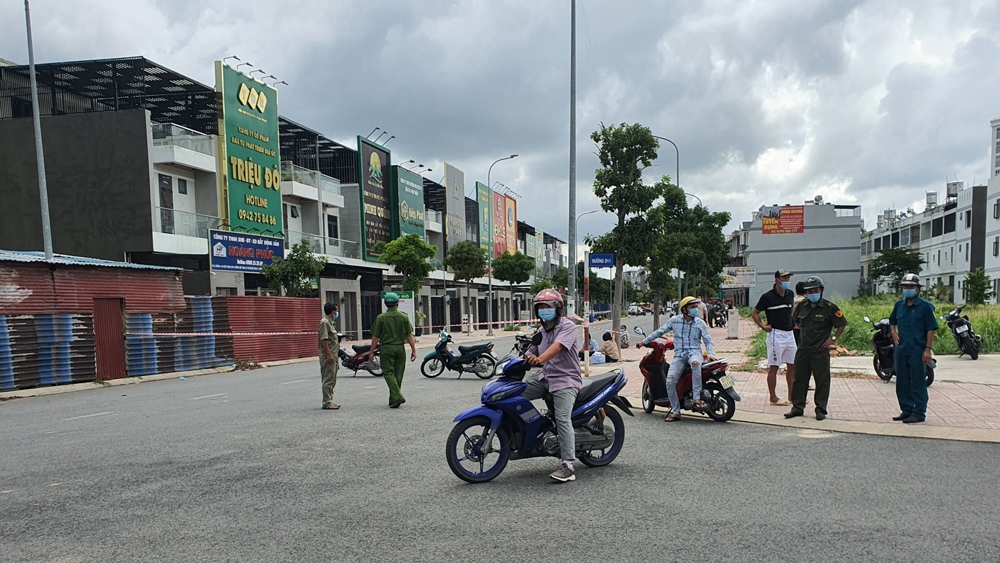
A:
[602,260]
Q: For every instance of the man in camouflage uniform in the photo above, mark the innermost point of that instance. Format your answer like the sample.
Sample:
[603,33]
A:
[328,347]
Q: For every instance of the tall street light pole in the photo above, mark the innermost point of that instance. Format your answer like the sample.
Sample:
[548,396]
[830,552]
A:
[572,159]
[677,182]
[572,268]
[43,190]
[489,255]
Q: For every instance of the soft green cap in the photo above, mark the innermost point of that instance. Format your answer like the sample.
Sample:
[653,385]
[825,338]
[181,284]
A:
[391,299]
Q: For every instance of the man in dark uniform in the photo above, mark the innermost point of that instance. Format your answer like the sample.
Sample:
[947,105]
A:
[912,323]
[776,304]
[394,329]
[815,318]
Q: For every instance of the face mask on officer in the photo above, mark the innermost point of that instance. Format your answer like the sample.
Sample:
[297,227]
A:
[909,292]
[814,297]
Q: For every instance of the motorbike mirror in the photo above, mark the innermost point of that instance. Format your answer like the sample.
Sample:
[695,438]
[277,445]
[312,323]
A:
[638,330]
[867,320]
[536,339]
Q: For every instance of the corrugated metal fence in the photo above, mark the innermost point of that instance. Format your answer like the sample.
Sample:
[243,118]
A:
[40,350]
[158,343]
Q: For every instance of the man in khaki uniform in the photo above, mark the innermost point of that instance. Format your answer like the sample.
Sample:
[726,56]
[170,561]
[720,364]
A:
[328,346]
[816,319]
[393,329]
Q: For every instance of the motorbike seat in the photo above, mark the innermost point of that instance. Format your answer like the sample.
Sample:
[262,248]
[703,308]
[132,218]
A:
[361,348]
[466,349]
[593,385]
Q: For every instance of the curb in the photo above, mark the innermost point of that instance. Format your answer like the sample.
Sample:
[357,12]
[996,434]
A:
[71,387]
[896,430]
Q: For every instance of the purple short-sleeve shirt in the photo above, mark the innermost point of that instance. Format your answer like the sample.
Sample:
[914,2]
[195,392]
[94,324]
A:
[562,371]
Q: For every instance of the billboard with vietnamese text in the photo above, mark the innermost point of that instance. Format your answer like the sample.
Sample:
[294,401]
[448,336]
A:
[408,203]
[783,220]
[376,205]
[241,252]
[499,224]
[485,200]
[511,225]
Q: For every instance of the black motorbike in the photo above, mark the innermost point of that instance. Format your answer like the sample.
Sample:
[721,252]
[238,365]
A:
[361,359]
[885,350]
[475,359]
[968,341]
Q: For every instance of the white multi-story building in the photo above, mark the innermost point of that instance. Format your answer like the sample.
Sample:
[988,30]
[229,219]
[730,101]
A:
[816,238]
[950,236]
[992,242]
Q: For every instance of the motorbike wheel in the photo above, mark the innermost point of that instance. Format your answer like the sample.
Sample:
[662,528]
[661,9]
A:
[647,400]
[377,372]
[464,444]
[884,376]
[720,406]
[607,455]
[432,367]
[930,375]
[485,366]
[969,347]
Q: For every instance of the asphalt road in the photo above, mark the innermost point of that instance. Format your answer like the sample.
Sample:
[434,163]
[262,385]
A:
[246,467]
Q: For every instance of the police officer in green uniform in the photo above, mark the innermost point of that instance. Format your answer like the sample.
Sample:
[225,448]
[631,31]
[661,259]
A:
[393,329]
[815,319]
[328,346]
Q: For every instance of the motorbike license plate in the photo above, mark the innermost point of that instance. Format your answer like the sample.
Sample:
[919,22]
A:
[726,381]
[961,329]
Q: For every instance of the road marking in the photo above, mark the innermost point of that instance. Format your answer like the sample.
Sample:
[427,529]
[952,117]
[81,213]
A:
[55,484]
[296,381]
[209,396]
[89,415]
[7,491]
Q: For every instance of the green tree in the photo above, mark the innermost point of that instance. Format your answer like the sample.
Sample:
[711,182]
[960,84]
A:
[467,261]
[539,286]
[514,269]
[409,255]
[624,152]
[894,263]
[977,287]
[291,275]
[560,278]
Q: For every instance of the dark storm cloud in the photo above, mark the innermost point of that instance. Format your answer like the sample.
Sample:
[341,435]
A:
[770,102]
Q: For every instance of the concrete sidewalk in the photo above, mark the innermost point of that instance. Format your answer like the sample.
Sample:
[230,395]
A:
[964,396]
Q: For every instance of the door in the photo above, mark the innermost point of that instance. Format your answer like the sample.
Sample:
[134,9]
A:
[109,338]
[482,314]
[437,313]
[455,310]
[166,184]
[371,307]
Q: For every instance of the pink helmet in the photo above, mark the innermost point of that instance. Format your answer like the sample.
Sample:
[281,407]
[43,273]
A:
[548,297]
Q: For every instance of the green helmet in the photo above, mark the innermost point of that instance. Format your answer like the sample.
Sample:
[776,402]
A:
[391,299]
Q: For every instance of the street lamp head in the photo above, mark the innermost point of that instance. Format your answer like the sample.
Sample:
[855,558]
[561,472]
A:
[513,156]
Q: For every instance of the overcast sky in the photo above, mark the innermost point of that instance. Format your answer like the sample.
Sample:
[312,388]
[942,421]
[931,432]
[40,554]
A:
[770,101]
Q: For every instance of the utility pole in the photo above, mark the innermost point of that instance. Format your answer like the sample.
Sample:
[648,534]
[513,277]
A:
[36,117]
[572,159]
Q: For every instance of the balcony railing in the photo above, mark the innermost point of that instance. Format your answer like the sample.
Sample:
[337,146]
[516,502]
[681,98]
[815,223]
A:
[167,134]
[185,223]
[324,245]
[295,173]
[435,216]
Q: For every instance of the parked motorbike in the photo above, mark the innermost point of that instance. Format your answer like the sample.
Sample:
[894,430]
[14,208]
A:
[717,391]
[521,344]
[475,359]
[885,350]
[968,341]
[507,426]
[363,358]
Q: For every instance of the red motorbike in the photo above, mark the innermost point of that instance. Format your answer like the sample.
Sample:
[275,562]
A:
[717,390]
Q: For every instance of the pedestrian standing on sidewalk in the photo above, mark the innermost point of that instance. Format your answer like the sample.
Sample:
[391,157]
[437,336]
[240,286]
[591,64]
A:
[781,347]
[817,318]
[912,323]
[328,345]
[394,330]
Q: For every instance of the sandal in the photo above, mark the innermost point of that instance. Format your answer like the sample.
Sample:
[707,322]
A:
[699,404]
[672,417]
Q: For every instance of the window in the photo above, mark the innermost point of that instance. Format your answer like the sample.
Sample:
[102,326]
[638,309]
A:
[885,243]
[295,211]
[937,227]
[878,245]
[966,252]
[863,245]
[949,223]
[968,219]
[938,257]
[904,237]
[951,255]
[895,239]
[332,226]
[182,186]
[996,209]
[996,290]
[996,246]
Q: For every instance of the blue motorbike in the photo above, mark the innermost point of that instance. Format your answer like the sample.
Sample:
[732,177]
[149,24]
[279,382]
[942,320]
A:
[507,426]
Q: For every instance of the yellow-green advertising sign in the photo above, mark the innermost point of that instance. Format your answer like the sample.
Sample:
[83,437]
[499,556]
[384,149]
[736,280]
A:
[485,199]
[248,153]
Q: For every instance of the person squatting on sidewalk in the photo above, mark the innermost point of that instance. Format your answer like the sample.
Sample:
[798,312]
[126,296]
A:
[394,330]
[689,332]
[912,323]
[560,375]
[328,346]
[781,344]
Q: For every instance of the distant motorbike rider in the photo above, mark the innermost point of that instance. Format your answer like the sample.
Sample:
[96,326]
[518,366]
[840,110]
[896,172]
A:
[689,333]
[912,323]
[560,375]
